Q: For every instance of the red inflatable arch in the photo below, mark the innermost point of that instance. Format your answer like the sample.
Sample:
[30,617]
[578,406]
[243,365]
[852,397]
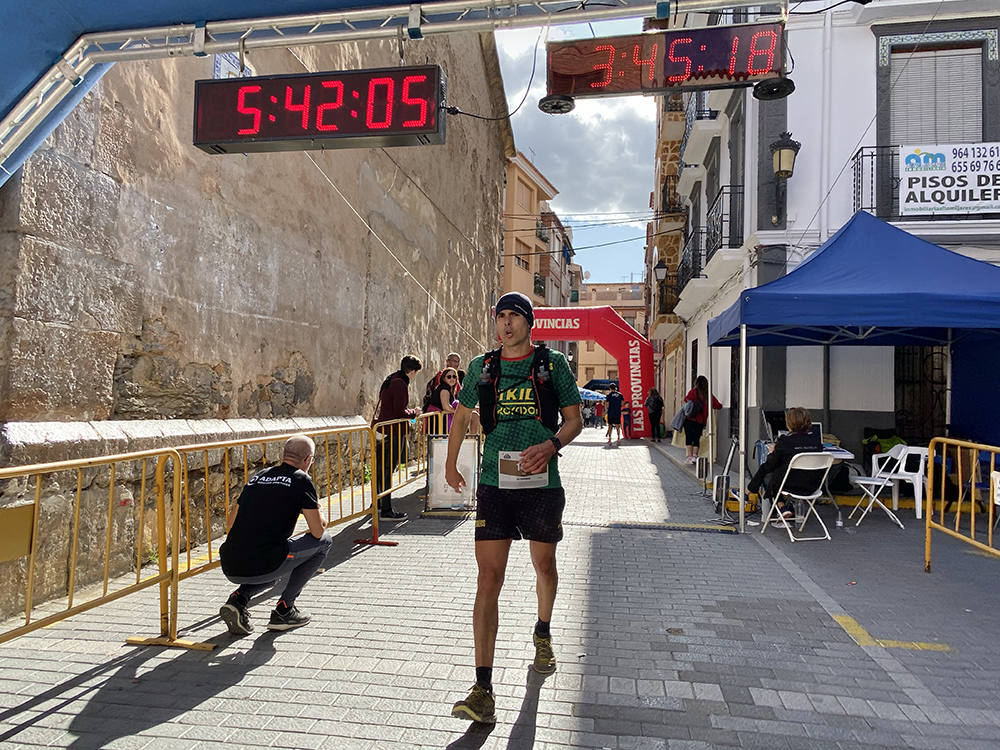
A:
[607,328]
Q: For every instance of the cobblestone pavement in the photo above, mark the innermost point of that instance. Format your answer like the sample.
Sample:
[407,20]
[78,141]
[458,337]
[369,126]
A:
[665,639]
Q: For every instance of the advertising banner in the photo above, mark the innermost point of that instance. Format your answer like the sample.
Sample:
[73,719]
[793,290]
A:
[956,178]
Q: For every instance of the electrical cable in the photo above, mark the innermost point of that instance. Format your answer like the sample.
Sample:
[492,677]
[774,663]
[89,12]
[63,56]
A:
[527,90]
[395,257]
[878,108]
[821,10]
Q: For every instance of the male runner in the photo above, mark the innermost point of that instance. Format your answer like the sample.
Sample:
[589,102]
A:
[504,514]
[614,401]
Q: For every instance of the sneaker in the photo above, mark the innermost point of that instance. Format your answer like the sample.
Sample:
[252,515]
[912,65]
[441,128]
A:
[394,516]
[237,619]
[291,619]
[479,706]
[545,659]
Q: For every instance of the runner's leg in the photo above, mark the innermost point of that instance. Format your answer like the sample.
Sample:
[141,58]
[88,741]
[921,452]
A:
[543,558]
[491,557]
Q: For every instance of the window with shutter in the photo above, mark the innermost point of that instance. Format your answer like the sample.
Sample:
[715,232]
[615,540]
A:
[937,96]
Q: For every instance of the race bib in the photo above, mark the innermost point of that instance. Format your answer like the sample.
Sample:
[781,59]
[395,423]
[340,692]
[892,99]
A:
[513,478]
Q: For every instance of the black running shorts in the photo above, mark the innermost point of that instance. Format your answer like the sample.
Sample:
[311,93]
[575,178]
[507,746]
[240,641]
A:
[533,514]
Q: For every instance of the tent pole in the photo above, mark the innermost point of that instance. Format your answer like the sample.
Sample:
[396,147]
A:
[743,423]
[947,391]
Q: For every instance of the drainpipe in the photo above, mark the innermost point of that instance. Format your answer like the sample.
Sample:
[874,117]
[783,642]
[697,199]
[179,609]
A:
[826,92]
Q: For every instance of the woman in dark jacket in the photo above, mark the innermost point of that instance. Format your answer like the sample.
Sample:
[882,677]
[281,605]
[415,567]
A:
[654,405]
[798,440]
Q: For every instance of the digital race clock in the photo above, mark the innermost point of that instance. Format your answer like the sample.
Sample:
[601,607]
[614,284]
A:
[701,58]
[342,109]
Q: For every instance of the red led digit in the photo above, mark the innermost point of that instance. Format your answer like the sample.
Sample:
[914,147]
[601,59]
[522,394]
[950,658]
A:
[605,66]
[243,109]
[303,107]
[650,62]
[732,55]
[370,121]
[767,52]
[335,104]
[687,60]
[421,119]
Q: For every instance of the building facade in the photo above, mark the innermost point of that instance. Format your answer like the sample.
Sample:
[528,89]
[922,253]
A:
[874,84]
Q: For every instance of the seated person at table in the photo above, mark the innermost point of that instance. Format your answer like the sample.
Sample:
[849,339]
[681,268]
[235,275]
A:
[798,439]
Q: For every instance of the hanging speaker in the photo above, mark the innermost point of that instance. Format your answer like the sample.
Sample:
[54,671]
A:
[556,104]
[773,88]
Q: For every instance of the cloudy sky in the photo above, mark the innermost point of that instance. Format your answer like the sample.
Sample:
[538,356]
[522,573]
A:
[599,156]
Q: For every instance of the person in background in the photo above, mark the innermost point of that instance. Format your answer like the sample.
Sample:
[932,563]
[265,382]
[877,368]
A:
[588,413]
[694,423]
[654,405]
[627,420]
[455,362]
[444,397]
[798,439]
[614,401]
[260,549]
[393,402]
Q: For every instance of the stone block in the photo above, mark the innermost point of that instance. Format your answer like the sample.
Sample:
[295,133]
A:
[54,370]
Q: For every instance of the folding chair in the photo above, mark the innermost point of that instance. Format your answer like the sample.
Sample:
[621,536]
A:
[914,476]
[820,464]
[885,467]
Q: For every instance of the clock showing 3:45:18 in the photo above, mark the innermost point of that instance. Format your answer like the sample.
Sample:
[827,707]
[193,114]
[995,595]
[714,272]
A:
[649,63]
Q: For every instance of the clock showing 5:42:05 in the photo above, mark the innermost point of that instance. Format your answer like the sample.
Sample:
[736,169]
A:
[340,109]
[652,62]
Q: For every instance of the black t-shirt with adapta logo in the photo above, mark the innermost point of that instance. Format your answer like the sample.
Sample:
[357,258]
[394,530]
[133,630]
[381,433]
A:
[270,505]
[614,401]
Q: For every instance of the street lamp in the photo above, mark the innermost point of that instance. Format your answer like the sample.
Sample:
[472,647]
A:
[783,152]
[660,271]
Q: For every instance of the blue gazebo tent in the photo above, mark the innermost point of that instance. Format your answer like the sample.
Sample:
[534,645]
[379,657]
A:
[874,284]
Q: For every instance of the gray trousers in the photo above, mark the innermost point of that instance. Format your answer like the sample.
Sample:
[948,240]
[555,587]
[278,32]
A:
[305,555]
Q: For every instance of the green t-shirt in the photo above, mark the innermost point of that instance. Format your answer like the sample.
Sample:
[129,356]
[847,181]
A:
[518,425]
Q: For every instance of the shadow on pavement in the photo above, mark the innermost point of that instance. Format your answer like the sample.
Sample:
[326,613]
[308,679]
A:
[522,734]
[119,705]
[475,737]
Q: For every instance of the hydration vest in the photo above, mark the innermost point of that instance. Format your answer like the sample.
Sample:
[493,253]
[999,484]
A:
[543,390]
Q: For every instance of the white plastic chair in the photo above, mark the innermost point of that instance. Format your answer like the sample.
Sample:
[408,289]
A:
[820,464]
[884,467]
[916,477]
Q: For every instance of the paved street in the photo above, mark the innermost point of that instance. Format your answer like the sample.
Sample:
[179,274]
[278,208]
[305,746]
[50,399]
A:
[666,638]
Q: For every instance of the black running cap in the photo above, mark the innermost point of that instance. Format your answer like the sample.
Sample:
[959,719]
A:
[518,303]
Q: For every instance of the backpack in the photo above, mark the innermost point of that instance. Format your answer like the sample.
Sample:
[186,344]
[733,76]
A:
[543,391]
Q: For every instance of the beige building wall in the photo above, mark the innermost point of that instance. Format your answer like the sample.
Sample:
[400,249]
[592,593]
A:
[628,301]
[146,279]
[525,238]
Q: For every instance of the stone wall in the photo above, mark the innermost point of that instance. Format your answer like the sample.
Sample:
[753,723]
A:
[148,280]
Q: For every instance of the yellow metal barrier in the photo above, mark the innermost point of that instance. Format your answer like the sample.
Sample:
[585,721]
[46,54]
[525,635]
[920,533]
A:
[961,474]
[105,549]
[203,481]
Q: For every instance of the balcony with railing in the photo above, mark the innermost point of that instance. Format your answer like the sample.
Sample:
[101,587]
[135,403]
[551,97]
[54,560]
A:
[877,188]
[692,259]
[670,200]
[725,221]
[666,295]
[539,286]
[541,231]
[700,126]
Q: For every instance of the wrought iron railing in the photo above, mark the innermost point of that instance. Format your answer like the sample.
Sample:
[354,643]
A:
[541,231]
[667,294]
[697,109]
[540,285]
[670,201]
[673,103]
[725,220]
[692,259]
[876,187]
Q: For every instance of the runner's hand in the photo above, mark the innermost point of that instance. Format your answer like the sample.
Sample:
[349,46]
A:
[535,459]
[454,478]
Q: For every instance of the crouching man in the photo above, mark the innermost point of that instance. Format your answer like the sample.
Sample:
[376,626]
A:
[260,548]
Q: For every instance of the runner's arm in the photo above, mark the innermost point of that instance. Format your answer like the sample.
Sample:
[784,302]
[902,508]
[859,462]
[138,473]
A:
[535,458]
[459,426]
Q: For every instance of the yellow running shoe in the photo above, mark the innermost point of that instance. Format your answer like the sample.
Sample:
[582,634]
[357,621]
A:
[480,706]
[545,659]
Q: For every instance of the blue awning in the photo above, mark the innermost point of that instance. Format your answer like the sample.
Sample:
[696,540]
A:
[869,284]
